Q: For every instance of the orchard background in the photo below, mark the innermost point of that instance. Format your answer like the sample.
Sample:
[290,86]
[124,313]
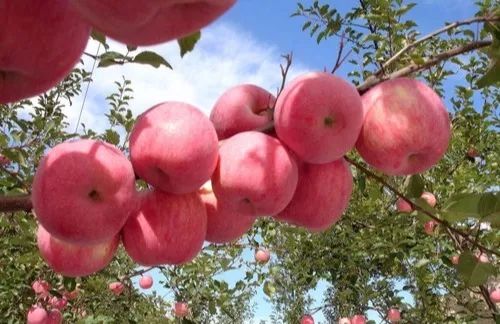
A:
[374,258]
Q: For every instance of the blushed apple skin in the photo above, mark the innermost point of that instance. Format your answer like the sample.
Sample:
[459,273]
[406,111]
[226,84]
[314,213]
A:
[262,256]
[257,170]
[146,282]
[394,315]
[406,128]
[116,287]
[174,147]
[495,295]
[73,260]
[358,319]
[54,317]
[402,206]
[319,116]
[37,315]
[306,319]
[344,320]
[181,309]
[41,42]
[242,108]
[84,191]
[167,229]
[225,224]
[322,195]
[150,22]
[429,198]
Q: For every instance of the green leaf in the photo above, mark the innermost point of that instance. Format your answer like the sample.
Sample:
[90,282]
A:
[489,203]
[69,283]
[491,77]
[186,44]
[99,37]
[151,58]
[112,137]
[473,272]
[269,288]
[414,186]
[462,206]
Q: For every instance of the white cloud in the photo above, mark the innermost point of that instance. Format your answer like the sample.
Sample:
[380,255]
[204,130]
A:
[224,57]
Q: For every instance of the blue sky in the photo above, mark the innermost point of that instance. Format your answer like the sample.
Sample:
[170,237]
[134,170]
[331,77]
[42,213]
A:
[244,46]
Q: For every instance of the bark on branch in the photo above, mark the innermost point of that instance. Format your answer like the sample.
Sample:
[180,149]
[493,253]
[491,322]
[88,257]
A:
[15,203]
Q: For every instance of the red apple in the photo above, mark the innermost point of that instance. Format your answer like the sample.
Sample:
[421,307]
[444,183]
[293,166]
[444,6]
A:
[403,206]
[358,319]
[41,288]
[455,259]
[482,257]
[146,282]
[58,303]
[41,41]
[255,170]
[242,108]
[54,317]
[150,22]
[307,319]
[3,159]
[116,287]
[181,309]
[167,229]
[74,260]
[71,295]
[495,295]
[322,195]
[174,147]
[394,315]
[406,128]
[429,198]
[472,153]
[262,256]
[84,191]
[37,315]
[430,227]
[319,116]
[344,320]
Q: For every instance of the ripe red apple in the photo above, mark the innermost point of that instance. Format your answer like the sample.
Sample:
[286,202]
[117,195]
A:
[84,191]
[394,315]
[406,128]
[472,153]
[403,206]
[358,319]
[255,169]
[482,257]
[430,227]
[116,287]
[150,22]
[37,315]
[224,224]
[54,317]
[174,147]
[167,229]
[41,288]
[181,309]
[71,295]
[429,198]
[262,256]
[322,195]
[307,319]
[146,282]
[495,295]
[319,116]
[74,260]
[58,303]
[344,320]
[56,37]
[242,108]
[455,259]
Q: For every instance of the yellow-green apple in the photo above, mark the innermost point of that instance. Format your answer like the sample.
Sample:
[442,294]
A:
[319,116]
[174,147]
[167,229]
[495,295]
[73,260]
[429,198]
[406,128]
[41,41]
[181,309]
[307,319]
[54,317]
[84,191]
[37,315]
[242,108]
[257,170]
[116,287]
[322,195]
[358,319]
[41,288]
[262,256]
[150,22]
[224,224]
[146,282]
[430,227]
[344,320]
[403,206]
[393,315]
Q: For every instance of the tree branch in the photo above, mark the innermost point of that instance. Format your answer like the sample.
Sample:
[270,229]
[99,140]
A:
[15,203]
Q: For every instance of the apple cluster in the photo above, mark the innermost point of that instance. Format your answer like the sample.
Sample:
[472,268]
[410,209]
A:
[210,178]
[65,25]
